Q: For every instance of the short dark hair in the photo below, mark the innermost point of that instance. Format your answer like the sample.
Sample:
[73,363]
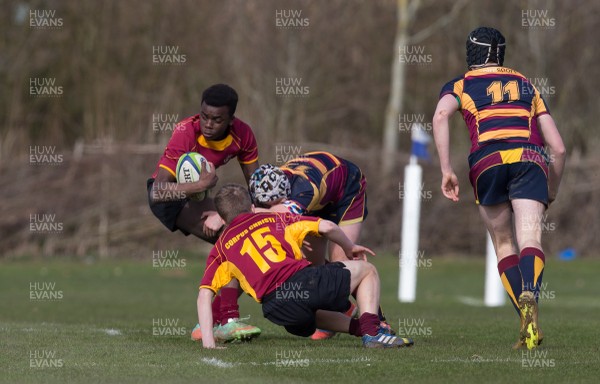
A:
[221,95]
[232,200]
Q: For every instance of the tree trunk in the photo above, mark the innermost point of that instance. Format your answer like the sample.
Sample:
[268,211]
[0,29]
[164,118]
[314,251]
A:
[392,113]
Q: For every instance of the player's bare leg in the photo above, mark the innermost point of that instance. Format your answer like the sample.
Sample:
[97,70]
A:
[336,253]
[501,222]
[335,321]
[529,217]
[318,256]
[189,219]
[498,220]
[365,282]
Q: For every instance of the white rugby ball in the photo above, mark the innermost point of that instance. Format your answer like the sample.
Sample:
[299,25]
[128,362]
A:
[189,168]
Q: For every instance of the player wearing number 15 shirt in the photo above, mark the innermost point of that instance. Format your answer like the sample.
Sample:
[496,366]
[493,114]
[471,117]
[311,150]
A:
[262,251]
[239,252]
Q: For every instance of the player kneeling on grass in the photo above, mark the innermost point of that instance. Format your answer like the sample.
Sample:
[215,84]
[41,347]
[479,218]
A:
[262,250]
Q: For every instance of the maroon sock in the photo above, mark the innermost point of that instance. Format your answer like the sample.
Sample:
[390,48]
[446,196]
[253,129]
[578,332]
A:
[355,327]
[229,304]
[216,310]
[369,322]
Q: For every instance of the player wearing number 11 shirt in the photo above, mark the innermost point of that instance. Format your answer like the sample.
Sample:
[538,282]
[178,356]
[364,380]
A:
[514,177]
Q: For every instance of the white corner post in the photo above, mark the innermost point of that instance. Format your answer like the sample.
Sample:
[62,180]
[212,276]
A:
[411,211]
[494,290]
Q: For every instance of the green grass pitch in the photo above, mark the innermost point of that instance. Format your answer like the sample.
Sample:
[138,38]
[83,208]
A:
[129,322]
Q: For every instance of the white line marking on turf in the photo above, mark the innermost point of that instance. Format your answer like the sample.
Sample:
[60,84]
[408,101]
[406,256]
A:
[112,332]
[320,361]
[224,364]
[476,360]
[218,363]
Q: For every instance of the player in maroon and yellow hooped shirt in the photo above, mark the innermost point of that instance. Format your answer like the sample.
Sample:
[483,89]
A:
[513,177]
[219,136]
[317,184]
[262,250]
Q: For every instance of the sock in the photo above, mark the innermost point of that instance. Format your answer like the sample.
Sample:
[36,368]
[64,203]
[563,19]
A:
[229,304]
[531,264]
[216,310]
[369,322]
[510,274]
[380,313]
[355,327]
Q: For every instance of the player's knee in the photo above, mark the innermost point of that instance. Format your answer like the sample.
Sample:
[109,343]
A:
[369,268]
[503,239]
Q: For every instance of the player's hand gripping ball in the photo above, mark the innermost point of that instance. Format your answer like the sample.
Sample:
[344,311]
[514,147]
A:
[189,169]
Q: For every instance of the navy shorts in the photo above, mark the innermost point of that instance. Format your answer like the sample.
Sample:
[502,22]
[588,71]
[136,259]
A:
[352,207]
[295,302]
[166,212]
[505,182]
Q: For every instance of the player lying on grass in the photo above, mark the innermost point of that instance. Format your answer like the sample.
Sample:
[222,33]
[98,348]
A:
[317,184]
[513,177]
[219,136]
[262,250]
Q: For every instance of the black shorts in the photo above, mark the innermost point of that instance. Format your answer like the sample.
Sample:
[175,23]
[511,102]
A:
[294,303]
[502,183]
[166,212]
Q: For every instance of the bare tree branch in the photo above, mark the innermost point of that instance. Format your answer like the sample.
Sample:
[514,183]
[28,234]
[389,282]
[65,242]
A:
[439,23]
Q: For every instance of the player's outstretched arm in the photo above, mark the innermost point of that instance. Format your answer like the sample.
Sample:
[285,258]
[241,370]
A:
[441,133]
[333,232]
[557,152]
[205,317]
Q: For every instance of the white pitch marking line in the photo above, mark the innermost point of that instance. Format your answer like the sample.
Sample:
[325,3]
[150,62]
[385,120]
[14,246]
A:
[217,363]
[112,332]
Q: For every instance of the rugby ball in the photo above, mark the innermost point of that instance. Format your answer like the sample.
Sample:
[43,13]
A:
[189,168]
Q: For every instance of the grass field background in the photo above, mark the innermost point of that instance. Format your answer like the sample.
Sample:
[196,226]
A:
[102,322]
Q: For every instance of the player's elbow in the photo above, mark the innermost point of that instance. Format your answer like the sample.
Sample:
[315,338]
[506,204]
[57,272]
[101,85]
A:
[326,227]
[440,118]
[557,150]
[560,150]
[205,294]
